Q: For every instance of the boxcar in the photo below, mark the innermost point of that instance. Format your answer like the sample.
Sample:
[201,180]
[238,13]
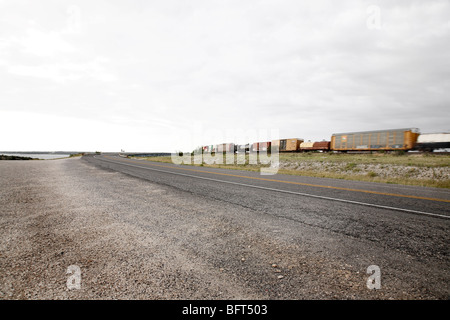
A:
[225,147]
[242,148]
[293,144]
[286,145]
[229,148]
[395,139]
[261,146]
[265,146]
[276,145]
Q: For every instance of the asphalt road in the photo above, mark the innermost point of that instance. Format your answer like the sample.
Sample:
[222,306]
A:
[341,227]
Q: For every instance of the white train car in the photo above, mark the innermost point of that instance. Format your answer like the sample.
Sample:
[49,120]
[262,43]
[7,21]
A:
[433,141]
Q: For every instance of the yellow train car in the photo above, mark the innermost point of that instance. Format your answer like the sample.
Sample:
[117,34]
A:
[306,146]
[395,139]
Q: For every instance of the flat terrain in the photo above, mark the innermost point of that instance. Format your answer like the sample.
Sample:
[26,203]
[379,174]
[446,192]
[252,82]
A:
[420,169]
[142,231]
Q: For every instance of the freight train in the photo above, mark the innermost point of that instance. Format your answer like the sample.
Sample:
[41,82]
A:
[406,139]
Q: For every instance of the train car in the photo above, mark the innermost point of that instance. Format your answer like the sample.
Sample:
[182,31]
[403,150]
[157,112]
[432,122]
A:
[242,148]
[293,144]
[279,145]
[265,146]
[208,149]
[287,145]
[315,146]
[276,145]
[395,139]
[433,141]
[321,146]
[261,146]
[306,146]
[226,148]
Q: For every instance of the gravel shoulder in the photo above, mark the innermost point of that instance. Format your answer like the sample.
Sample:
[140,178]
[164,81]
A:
[133,239]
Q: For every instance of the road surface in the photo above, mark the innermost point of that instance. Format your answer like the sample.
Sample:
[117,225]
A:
[402,229]
[145,230]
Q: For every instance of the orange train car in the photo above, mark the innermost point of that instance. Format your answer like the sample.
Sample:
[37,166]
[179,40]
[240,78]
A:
[287,145]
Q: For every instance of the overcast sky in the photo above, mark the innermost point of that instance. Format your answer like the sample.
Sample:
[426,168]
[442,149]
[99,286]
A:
[171,75]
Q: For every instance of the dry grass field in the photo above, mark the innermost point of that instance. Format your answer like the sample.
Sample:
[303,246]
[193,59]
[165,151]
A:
[429,170]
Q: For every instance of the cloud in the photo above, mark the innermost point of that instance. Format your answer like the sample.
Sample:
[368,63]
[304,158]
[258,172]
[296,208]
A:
[43,44]
[65,71]
[309,68]
[38,132]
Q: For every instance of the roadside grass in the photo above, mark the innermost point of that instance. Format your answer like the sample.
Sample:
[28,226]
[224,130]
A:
[76,155]
[407,159]
[350,163]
